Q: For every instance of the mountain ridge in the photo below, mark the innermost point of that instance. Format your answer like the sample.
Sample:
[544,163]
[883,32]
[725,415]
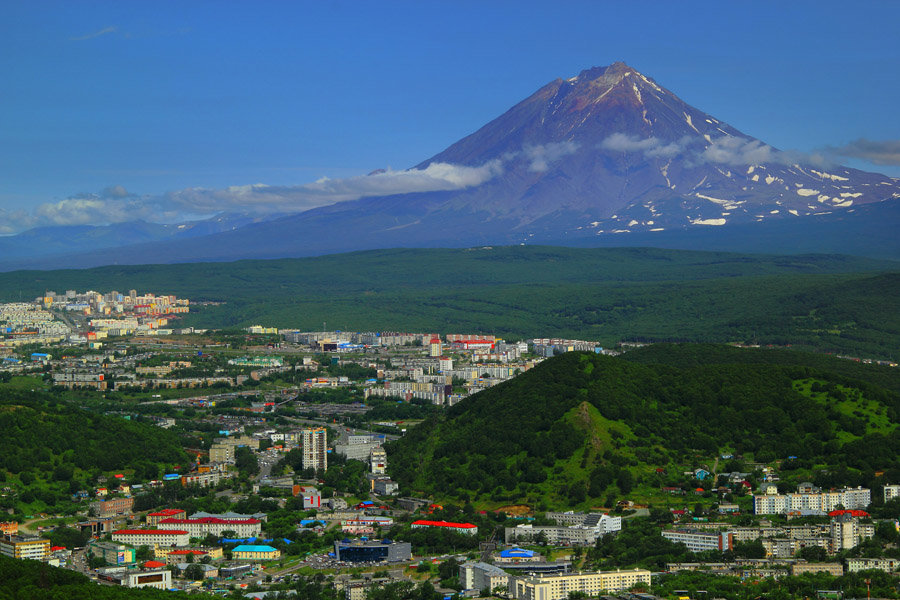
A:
[597,157]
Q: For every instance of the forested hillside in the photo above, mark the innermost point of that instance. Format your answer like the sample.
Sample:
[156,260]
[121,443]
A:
[831,303]
[52,449]
[581,427]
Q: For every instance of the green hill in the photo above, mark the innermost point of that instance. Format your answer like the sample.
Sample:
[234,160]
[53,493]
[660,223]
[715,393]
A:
[50,450]
[581,428]
[826,302]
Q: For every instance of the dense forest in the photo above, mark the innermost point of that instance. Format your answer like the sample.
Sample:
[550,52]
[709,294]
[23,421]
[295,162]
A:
[581,427]
[832,303]
[55,449]
[33,580]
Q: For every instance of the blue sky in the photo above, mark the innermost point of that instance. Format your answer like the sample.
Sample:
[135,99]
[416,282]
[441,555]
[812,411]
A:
[124,100]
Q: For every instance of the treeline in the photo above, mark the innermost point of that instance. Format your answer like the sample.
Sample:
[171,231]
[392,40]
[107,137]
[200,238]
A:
[42,434]
[55,449]
[833,303]
[34,580]
[584,419]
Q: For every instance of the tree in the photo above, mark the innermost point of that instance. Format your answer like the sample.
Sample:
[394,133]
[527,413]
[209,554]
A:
[143,553]
[194,572]
[449,568]
[814,553]
[245,460]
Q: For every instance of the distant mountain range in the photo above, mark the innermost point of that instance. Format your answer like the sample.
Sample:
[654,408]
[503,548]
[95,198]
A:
[605,158]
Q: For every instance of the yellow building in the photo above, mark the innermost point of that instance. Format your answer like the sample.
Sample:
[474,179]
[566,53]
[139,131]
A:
[18,546]
[248,551]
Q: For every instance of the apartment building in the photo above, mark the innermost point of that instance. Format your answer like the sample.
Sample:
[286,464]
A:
[480,576]
[891,492]
[212,525]
[167,513]
[772,503]
[314,446]
[700,541]
[559,586]
[152,537]
[888,565]
[575,529]
[25,547]
[835,569]
[112,507]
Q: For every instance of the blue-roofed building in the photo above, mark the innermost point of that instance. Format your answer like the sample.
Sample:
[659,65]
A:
[517,553]
[255,552]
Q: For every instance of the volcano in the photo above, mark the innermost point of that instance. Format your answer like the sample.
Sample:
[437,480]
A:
[608,157]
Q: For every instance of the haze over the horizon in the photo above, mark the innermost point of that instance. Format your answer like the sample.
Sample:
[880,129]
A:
[117,111]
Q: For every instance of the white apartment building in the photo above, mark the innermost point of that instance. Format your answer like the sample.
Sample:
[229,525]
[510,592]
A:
[212,525]
[479,576]
[891,492]
[589,528]
[558,586]
[699,540]
[314,446]
[888,565]
[152,537]
[821,502]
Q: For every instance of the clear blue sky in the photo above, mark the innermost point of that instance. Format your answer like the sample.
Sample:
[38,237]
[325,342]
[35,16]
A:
[161,96]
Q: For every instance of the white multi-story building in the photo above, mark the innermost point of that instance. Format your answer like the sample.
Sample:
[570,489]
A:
[160,579]
[25,547]
[889,565]
[152,537]
[847,532]
[559,586]
[891,492]
[699,540]
[821,502]
[586,529]
[314,446]
[212,525]
[479,576]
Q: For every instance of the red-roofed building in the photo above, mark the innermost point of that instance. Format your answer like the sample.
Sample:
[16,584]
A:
[464,528]
[154,518]
[154,564]
[852,513]
[214,525]
[473,344]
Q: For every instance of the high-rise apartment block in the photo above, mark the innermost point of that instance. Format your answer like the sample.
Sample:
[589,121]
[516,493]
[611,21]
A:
[314,447]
